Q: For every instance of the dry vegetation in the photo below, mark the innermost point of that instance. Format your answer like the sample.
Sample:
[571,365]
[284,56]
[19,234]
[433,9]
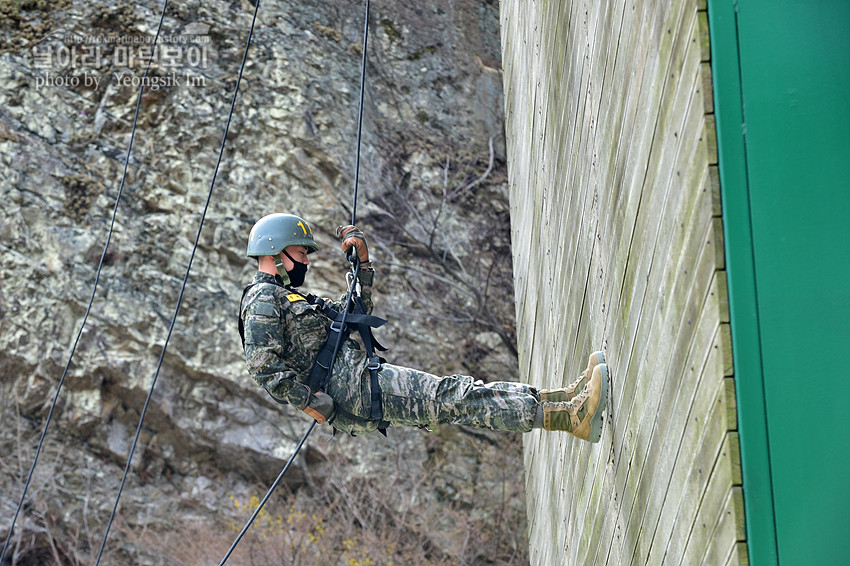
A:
[445,224]
[347,523]
[354,522]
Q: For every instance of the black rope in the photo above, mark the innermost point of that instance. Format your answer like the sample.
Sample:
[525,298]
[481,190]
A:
[183,287]
[94,289]
[355,270]
[360,115]
[268,494]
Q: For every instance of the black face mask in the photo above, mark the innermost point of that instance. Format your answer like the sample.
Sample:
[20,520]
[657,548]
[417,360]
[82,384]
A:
[299,271]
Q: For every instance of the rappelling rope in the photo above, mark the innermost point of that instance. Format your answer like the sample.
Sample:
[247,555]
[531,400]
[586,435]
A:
[94,288]
[185,281]
[360,115]
[355,268]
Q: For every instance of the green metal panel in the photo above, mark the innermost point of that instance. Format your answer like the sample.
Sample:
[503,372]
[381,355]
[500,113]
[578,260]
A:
[785,174]
[743,306]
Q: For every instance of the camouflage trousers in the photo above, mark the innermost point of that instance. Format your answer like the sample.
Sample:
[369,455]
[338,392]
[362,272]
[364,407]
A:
[416,398]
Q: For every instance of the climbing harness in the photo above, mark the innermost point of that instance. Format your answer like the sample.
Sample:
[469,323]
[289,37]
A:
[142,84]
[342,323]
[336,337]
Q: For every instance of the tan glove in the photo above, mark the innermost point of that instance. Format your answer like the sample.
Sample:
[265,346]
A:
[352,236]
[321,407]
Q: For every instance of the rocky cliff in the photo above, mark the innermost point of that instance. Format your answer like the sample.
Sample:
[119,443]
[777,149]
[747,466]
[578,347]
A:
[433,201]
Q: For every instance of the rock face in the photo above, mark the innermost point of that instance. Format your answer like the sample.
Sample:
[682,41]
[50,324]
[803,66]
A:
[432,199]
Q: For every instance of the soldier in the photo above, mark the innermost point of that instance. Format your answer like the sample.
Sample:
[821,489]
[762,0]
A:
[285,330]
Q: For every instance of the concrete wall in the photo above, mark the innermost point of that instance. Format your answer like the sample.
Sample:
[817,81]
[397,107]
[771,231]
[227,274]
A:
[617,241]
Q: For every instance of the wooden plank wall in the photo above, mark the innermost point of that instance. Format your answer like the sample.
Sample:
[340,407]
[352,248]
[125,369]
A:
[617,239]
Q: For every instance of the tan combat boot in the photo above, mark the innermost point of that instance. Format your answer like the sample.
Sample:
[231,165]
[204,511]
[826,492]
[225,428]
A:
[582,416]
[567,393]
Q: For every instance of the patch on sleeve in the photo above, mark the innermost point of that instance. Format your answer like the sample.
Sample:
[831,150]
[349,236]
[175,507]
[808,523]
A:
[264,309]
[295,297]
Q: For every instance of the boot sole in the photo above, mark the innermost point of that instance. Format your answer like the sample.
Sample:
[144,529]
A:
[597,420]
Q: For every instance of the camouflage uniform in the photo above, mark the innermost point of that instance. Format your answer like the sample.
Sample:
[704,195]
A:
[284,333]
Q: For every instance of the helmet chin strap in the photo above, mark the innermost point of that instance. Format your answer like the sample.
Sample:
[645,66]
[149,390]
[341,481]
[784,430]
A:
[292,259]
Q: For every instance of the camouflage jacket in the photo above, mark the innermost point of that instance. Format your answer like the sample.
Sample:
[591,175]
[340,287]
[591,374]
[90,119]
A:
[283,335]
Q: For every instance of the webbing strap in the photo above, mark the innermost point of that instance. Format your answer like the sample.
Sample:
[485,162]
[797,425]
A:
[363,323]
[369,344]
[242,324]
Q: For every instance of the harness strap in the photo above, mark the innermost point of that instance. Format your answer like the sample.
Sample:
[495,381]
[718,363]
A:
[363,323]
[369,343]
[242,324]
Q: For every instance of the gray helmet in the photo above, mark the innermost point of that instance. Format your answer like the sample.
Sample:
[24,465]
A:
[274,232]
